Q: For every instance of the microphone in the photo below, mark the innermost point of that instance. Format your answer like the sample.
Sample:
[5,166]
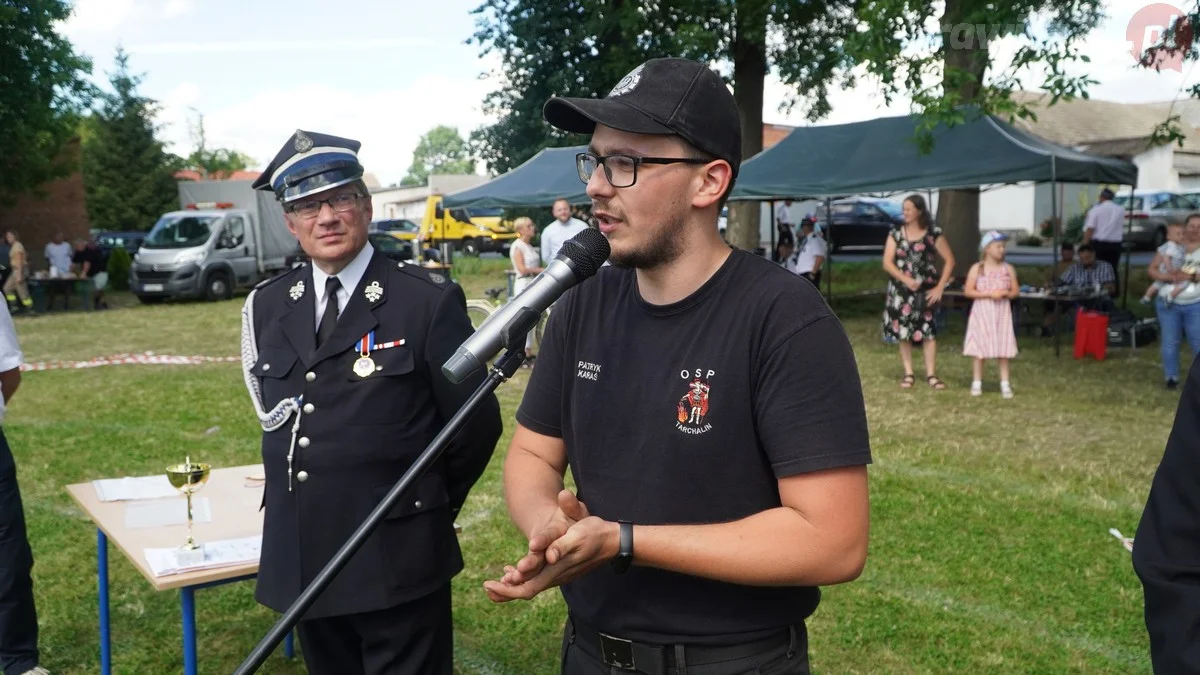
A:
[578,259]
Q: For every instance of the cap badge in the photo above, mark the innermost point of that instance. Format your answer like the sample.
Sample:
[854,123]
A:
[297,290]
[373,292]
[437,278]
[628,82]
[303,142]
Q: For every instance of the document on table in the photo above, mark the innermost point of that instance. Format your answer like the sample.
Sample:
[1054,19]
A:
[131,487]
[165,512]
[225,553]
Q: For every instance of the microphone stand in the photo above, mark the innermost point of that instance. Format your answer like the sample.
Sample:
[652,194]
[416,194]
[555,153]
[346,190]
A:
[513,335]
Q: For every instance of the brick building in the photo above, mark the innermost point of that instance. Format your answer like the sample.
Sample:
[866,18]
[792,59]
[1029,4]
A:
[61,208]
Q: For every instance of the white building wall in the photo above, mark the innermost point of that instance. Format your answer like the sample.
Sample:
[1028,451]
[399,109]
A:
[1156,170]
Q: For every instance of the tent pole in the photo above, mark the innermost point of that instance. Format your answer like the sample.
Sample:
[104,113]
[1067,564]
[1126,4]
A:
[1054,227]
[828,251]
[774,244]
[1126,252]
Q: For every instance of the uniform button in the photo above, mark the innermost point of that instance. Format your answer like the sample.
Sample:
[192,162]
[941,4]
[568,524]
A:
[266,366]
[309,377]
[418,504]
[302,476]
[304,442]
[308,408]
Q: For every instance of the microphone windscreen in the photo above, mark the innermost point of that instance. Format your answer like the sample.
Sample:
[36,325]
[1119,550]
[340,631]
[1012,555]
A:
[587,250]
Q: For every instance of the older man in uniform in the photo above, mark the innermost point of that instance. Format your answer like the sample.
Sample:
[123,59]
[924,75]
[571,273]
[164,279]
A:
[342,358]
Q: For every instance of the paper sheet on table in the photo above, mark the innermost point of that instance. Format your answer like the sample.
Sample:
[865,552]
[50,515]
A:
[164,512]
[134,487]
[225,553]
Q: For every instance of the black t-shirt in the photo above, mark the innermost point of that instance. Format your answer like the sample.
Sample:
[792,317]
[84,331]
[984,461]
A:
[92,255]
[687,414]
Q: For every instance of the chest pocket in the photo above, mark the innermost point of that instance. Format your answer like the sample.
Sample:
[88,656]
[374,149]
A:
[274,363]
[392,362]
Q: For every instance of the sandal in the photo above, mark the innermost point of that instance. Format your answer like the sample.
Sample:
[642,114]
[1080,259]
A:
[935,382]
[907,381]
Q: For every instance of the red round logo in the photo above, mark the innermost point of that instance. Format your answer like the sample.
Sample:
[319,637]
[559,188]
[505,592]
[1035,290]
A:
[1145,29]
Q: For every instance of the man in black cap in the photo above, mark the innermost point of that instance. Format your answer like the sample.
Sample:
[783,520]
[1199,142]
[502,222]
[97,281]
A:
[343,361]
[711,505]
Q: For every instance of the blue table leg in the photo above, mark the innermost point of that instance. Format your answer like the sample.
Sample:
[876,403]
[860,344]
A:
[102,583]
[188,606]
[289,649]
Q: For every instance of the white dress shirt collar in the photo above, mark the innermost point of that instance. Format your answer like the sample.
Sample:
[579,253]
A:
[350,276]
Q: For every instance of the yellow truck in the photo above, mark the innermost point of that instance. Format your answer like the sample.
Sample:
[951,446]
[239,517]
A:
[468,232]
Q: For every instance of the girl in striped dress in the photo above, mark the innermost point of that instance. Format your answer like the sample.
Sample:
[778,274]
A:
[992,285]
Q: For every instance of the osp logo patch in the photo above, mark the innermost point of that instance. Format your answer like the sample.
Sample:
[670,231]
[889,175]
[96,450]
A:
[692,409]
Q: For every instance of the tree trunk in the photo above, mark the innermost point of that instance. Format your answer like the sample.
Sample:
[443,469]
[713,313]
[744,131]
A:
[958,210]
[749,72]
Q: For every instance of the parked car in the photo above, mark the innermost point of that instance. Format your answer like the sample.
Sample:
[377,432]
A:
[859,221]
[130,241]
[1152,210]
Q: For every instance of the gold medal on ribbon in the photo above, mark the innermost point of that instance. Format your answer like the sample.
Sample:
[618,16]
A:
[364,366]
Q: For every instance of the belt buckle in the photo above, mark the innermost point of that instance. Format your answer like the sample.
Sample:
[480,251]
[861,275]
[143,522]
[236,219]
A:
[617,652]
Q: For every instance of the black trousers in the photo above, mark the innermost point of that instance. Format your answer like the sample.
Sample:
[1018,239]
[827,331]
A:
[1110,252]
[788,656]
[415,638]
[18,616]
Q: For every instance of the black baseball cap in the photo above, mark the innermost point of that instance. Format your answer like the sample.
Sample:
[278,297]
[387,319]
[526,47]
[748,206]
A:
[668,96]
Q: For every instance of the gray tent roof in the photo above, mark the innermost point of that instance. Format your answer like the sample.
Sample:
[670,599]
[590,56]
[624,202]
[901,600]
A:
[544,178]
[881,155]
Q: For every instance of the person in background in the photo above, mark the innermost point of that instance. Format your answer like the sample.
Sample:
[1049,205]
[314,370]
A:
[1089,272]
[1166,546]
[19,653]
[560,230]
[18,262]
[785,230]
[89,263]
[810,256]
[1180,318]
[1170,256]
[527,263]
[1065,262]
[992,286]
[909,257]
[58,254]
[1102,230]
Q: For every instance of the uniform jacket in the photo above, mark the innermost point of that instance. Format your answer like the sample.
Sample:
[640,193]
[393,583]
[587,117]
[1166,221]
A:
[358,435]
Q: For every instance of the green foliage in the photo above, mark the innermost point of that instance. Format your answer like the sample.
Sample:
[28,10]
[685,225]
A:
[43,91]
[1029,240]
[118,269]
[440,151]
[1073,234]
[1178,39]
[218,163]
[128,177]
[896,51]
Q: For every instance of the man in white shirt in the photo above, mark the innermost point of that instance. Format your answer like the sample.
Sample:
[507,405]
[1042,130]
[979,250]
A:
[58,254]
[810,254]
[1103,231]
[558,232]
[18,614]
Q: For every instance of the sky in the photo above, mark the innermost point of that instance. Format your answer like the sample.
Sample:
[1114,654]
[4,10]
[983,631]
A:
[384,72]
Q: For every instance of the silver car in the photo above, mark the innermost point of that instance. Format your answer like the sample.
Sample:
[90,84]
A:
[1152,210]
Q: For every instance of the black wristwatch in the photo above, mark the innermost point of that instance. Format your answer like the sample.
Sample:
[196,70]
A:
[625,555]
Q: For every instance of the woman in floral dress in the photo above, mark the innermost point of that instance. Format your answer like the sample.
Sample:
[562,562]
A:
[915,287]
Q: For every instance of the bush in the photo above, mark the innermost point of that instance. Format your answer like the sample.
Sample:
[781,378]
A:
[1029,240]
[1074,232]
[118,269]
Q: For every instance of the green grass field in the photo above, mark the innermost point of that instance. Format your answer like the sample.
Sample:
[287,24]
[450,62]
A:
[990,549]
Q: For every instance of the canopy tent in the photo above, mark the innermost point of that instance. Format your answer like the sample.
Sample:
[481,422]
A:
[881,155]
[544,178]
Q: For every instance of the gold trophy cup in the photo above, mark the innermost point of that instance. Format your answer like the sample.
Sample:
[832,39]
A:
[188,478]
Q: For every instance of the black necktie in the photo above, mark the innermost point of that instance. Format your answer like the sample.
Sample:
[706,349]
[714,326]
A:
[330,317]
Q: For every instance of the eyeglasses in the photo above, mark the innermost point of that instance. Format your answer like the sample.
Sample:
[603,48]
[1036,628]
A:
[622,170]
[339,203]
